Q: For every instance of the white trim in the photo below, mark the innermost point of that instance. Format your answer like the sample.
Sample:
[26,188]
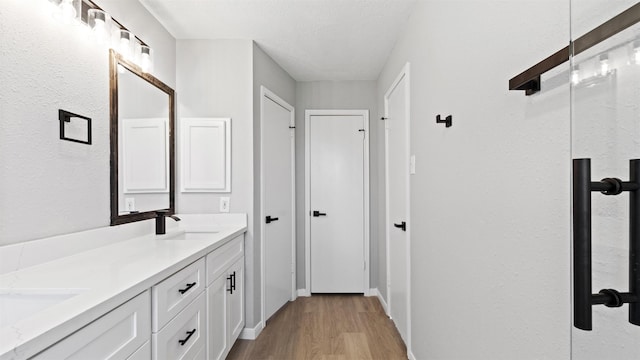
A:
[404,74]
[307,190]
[410,355]
[266,93]
[303,293]
[251,333]
[376,292]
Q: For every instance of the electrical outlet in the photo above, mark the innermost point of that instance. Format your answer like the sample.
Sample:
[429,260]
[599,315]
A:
[130,204]
[224,204]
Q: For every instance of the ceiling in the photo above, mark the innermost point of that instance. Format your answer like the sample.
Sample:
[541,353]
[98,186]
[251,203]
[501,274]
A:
[311,39]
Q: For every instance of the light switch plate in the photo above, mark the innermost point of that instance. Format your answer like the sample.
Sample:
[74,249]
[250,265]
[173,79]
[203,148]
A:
[224,204]
[412,165]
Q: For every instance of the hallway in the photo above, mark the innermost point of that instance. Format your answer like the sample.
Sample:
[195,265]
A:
[338,327]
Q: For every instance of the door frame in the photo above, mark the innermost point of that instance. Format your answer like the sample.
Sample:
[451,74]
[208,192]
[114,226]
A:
[307,193]
[268,94]
[403,75]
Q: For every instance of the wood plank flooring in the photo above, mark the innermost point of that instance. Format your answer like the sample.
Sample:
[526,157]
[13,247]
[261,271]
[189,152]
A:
[326,327]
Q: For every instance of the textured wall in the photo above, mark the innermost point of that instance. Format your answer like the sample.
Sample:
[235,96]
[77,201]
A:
[49,186]
[490,199]
[328,95]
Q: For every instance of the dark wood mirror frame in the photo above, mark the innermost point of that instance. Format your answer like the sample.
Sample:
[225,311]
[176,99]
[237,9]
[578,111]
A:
[116,59]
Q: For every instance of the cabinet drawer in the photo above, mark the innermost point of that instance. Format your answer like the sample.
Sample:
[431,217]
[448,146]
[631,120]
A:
[184,337]
[116,335]
[220,259]
[175,292]
[144,353]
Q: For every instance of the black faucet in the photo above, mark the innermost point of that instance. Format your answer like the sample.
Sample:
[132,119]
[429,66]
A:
[161,224]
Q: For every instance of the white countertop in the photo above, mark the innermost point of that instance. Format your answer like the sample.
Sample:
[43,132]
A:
[105,277]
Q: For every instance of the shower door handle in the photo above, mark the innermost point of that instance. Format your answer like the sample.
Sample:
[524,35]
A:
[583,299]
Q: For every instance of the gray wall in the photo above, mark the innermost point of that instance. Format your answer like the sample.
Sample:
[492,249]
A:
[268,73]
[47,66]
[490,206]
[214,79]
[341,95]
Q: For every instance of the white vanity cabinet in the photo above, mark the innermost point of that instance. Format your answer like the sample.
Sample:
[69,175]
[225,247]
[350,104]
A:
[225,297]
[179,324]
[122,333]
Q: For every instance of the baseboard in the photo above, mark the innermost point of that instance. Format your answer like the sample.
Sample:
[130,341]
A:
[251,333]
[303,292]
[376,292]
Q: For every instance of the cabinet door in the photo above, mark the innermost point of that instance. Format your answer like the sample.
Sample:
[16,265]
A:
[116,335]
[235,301]
[217,346]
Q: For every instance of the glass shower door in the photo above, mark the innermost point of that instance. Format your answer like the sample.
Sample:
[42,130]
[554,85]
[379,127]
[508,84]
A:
[605,118]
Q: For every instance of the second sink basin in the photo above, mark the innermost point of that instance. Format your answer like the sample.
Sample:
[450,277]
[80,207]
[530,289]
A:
[19,304]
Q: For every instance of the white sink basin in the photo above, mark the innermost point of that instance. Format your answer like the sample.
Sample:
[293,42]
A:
[19,304]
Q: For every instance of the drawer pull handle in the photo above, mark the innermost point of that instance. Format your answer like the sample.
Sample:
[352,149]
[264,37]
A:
[189,286]
[189,333]
[233,280]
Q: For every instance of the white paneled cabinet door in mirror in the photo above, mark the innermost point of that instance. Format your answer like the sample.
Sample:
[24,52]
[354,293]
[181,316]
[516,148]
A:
[205,145]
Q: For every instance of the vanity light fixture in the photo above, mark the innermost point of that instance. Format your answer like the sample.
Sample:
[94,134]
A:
[100,24]
[575,75]
[604,64]
[105,30]
[125,43]
[145,58]
[67,10]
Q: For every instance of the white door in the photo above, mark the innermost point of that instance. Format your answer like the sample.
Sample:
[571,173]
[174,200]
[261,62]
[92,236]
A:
[278,188]
[336,200]
[397,140]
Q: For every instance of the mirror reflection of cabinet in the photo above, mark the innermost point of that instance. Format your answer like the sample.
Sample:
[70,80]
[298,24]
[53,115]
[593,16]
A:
[205,154]
[142,143]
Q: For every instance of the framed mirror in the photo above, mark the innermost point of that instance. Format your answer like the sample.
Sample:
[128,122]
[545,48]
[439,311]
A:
[142,143]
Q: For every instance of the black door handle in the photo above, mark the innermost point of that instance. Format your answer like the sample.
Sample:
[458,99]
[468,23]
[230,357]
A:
[402,225]
[583,299]
[317,213]
[269,219]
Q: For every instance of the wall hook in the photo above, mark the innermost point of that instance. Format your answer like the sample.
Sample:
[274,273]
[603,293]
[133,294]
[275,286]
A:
[447,121]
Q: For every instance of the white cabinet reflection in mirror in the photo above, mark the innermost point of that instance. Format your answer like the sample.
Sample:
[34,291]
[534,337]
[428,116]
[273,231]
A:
[205,154]
[145,160]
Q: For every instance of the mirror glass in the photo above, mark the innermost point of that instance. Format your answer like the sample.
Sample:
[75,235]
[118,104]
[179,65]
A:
[142,143]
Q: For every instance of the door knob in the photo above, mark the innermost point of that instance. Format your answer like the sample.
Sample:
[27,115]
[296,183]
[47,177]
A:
[402,225]
[317,213]
[269,219]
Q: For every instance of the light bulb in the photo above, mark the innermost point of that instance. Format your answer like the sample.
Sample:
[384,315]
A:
[604,64]
[575,75]
[99,21]
[124,44]
[67,11]
[145,58]
[636,52]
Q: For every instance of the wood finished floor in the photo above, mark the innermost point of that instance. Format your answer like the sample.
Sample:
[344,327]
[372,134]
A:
[327,327]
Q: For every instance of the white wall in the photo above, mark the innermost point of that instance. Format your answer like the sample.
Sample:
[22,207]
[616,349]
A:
[49,186]
[490,198]
[266,72]
[340,95]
